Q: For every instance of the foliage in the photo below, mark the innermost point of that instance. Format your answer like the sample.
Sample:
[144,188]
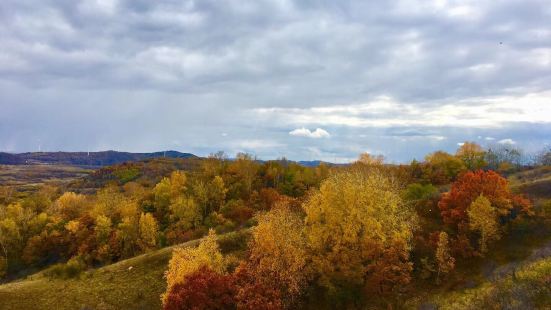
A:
[445,262]
[357,227]
[472,155]
[454,204]
[202,289]
[253,294]
[423,197]
[442,167]
[277,253]
[71,269]
[186,261]
[148,231]
[483,218]
[473,184]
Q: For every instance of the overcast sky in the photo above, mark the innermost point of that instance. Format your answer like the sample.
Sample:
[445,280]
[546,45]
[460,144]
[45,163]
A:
[302,79]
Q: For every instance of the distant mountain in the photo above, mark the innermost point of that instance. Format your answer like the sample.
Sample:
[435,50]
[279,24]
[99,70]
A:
[315,163]
[104,158]
[311,163]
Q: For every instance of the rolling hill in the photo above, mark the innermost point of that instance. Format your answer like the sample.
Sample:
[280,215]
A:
[96,159]
[134,283]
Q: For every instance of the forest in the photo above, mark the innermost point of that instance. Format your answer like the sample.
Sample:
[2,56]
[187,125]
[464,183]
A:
[279,235]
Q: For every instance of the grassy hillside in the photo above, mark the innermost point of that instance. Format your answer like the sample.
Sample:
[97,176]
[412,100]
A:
[104,158]
[116,286]
[135,283]
[528,287]
[29,177]
[535,183]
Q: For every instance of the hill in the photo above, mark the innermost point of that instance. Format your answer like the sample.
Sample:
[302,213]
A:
[135,283]
[96,159]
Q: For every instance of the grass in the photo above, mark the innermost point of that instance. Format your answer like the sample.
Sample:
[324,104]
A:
[135,283]
[528,288]
[116,286]
[28,177]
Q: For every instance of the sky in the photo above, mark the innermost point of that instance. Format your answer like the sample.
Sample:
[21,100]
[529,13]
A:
[302,79]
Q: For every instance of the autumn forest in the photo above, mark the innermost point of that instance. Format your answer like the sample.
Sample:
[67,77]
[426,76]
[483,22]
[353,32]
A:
[280,235]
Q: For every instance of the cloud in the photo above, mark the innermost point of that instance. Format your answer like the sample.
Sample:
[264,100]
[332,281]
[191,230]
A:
[136,75]
[507,141]
[387,112]
[304,132]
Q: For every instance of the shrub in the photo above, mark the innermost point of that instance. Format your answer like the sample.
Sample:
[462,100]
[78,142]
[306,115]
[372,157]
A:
[202,289]
[69,270]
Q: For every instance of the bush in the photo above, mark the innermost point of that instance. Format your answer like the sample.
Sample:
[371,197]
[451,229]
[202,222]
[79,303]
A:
[202,289]
[233,241]
[74,267]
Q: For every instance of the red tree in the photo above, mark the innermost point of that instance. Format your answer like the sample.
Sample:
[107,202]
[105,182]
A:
[202,290]
[453,205]
[254,292]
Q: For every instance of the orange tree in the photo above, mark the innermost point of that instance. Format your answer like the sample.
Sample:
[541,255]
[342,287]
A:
[454,204]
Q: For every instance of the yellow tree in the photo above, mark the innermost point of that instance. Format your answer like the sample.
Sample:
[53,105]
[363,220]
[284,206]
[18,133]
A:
[278,254]
[70,205]
[483,218]
[368,159]
[472,155]
[444,260]
[357,221]
[185,212]
[217,193]
[148,231]
[187,260]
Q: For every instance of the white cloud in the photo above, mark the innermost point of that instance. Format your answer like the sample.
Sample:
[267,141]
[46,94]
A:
[489,138]
[507,141]
[304,132]
[480,112]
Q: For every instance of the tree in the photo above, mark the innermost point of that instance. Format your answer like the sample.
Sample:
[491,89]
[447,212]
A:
[127,236]
[442,167]
[472,155]
[483,218]
[103,229]
[453,204]
[253,294]
[445,262]
[245,169]
[202,289]
[186,261]
[423,197]
[148,231]
[368,159]
[278,254]
[217,193]
[70,205]
[166,192]
[186,213]
[353,223]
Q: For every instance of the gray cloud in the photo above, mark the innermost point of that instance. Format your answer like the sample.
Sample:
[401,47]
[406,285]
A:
[148,75]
